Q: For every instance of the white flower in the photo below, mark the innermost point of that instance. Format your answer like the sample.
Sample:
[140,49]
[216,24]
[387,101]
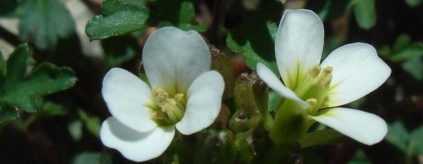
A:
[347,74]
[182,94]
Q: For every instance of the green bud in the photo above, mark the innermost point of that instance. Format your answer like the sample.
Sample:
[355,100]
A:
[245,103]
[221,64]
[214,146]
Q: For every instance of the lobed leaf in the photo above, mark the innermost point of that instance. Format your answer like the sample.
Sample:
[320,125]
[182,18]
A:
[7,113]
[43,22]
[19,89]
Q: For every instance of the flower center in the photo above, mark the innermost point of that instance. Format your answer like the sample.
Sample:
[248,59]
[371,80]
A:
[169,110]
[315,87]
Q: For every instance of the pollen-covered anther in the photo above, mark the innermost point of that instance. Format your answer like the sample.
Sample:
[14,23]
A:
[178,97]
[170,110]
[157,115]
[312,102]
[324,78]
[315,70]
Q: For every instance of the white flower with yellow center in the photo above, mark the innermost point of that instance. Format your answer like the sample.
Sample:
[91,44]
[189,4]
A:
[183,94]
[347,74]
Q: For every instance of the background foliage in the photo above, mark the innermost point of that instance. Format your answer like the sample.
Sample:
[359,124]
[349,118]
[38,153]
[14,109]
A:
[50,74]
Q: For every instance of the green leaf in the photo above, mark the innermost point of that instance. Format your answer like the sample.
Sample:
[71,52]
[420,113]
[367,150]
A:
[359,158]
[51,109]
[43,22]
[398,135]
[75,129]
[92,158]
[20,90]
[413,3]
[402,42]
[119,50]
[92,123]
[414,67]
[416,142]
[365,13]
[180,13]
[328,9]
[411,51]
[118,17]
[255,39]
[8,113]
[2,65]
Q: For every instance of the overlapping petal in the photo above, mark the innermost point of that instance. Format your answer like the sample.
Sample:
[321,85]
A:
[127,98]
[298,45]
[273,82]
[134,145]
[173,58]
[364,127]
[204,102]
[357,71]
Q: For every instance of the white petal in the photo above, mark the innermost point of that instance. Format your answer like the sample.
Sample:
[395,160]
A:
[204,101]
[134,145]
[273,82]
[298,45]
[173,58]
[127,98]
[364,127]
[357,71]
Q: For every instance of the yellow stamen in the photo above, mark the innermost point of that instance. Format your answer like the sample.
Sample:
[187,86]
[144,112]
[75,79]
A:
[170,110]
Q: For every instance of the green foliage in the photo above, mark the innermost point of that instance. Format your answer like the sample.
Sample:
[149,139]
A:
[221,63]
[254,40]
[7,113]
[92,158]
[365,13]
[359,158]
[8,8]
[214,145]
[329,9]
[43,22]
[92,123]
[180,13]
[411,143]
[407,53]
[413,3]
[20,89]
[120,17]
[119,50]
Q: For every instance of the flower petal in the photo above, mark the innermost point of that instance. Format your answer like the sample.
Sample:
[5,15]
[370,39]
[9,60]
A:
[134,145]
[273,82]
[204,102]
[298,45]
[173,58]
[127,98]
[357,71]
[364,127]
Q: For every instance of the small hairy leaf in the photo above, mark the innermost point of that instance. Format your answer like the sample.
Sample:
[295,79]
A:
[20,89]
[43,22]
[118,17]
